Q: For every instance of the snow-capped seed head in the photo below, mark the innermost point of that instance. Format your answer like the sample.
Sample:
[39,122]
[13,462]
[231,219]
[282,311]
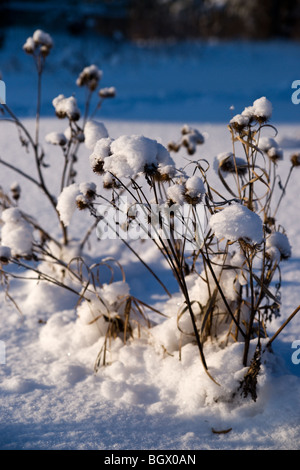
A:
[175,194]
[90,77]
[56,138]
[237,222]
[194,190]
[173,147]
[191,138]
[166,167]
[100,153]
[281,242]
[82,202]
[160,172]
[66,203]
[109,182]
[5,254]
[295,159]
[239,122]
[15,191]
[186,129]
[88,190]
[271,148]
[43,39]
[72,197]
[66,107]
[97,165]
[275,154]
[165,172]
[29,46]
[45,51]
[249,113]
[273,254]
[40,42]
[262,109]
[130,155]
[58,106]
[269,221]
[229,163]
[266,143]
[109,92]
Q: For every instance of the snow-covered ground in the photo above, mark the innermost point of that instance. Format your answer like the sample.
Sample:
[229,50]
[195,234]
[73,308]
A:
[50,397]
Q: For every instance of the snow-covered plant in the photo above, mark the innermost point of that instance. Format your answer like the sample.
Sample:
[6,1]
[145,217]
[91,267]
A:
[230,243]
[223,244]
[107,310]
[21,232]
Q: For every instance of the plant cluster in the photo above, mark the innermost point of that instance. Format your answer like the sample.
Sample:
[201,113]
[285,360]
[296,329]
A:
[226,239]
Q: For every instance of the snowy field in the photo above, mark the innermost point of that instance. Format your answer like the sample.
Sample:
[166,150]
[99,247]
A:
[50,397]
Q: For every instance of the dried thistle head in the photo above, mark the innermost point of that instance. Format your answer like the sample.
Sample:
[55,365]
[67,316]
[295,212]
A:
[229,163]
[165,172]
[269,221]
[159,172]
[295,159]
[97,167]
[109,182]
[5,254]
[15,191]
[29,46]
[190,139]
[45,51]
[194,190]
[109,92]
[88,190]
[275,154]
[66,107]
[82,202]
[89,77]
[56,138]
[239,122]
[39,43]
[173,146]
[262,110]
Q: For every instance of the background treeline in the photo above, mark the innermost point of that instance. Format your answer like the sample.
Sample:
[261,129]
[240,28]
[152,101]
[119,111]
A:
[145,19]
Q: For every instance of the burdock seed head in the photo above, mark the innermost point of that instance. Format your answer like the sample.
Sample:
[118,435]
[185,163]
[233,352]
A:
[295,159]
[5,254]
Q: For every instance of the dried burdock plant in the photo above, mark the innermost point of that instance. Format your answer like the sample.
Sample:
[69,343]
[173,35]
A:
[30,246]
[224,244]
[237,243]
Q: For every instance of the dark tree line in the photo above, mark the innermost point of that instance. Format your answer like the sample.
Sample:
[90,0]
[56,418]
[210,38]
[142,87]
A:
[182,19]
